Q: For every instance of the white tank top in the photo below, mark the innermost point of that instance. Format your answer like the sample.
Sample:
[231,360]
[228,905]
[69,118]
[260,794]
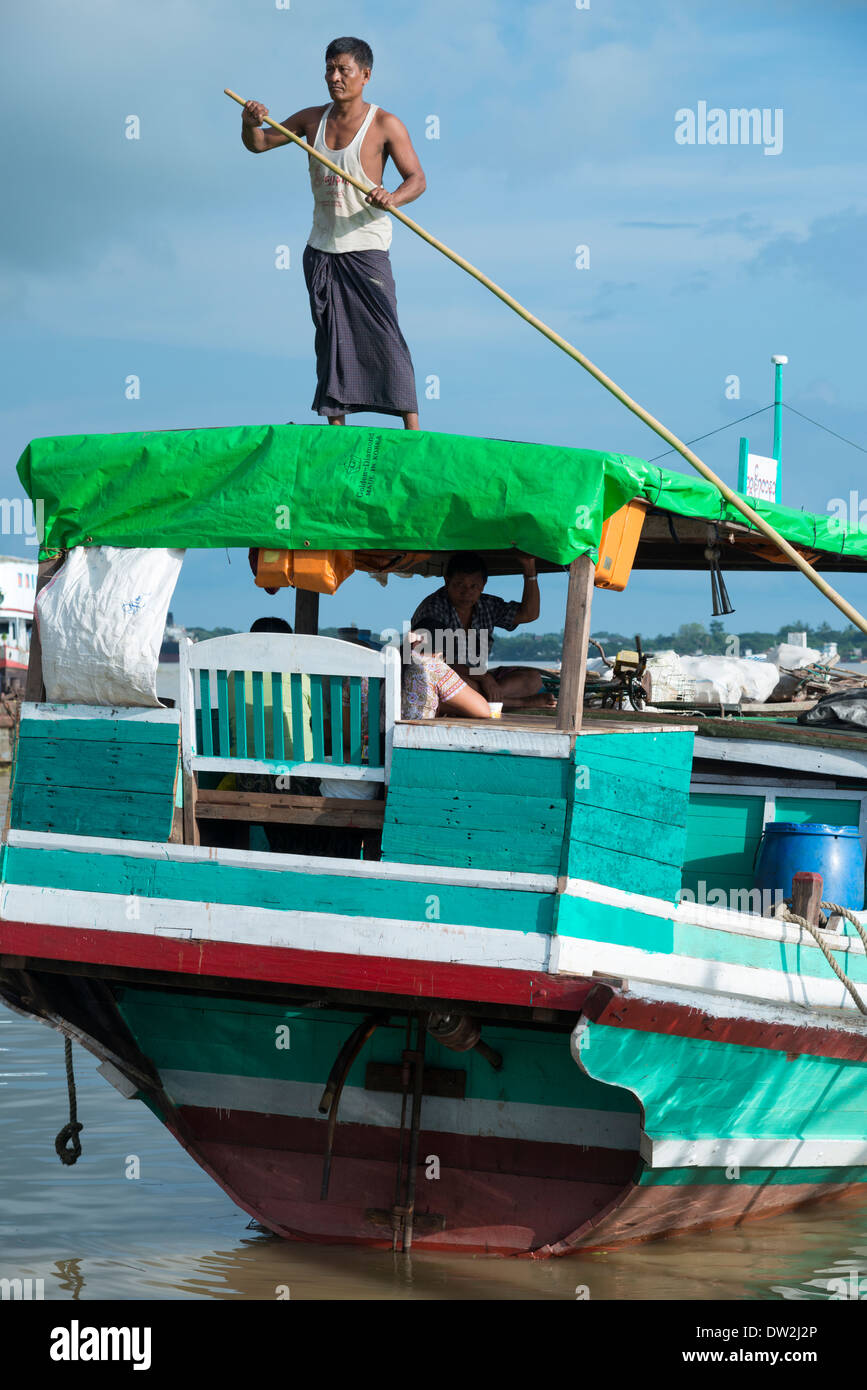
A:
[342,219]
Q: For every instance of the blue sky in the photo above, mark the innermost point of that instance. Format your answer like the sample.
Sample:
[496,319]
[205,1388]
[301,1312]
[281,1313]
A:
[155,256]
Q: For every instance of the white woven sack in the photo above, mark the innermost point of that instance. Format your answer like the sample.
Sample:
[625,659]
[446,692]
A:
[101,622]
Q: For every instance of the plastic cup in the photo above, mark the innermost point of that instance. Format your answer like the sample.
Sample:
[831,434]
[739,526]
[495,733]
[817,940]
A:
[496,709]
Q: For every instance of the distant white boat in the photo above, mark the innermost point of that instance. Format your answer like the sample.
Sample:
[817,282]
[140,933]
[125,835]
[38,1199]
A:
[17,593]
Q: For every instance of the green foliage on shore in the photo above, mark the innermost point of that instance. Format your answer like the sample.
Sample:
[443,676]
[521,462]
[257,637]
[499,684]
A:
[689,639]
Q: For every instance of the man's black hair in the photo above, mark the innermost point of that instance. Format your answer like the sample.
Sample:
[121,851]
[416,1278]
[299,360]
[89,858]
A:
[356,48]
[270,624]
[466,562]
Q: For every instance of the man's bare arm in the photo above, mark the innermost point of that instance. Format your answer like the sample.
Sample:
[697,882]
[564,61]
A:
[529,608]
[258,138]
[397,146]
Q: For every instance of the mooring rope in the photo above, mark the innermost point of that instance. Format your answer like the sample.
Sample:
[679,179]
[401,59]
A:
[786,914]
[70,1132]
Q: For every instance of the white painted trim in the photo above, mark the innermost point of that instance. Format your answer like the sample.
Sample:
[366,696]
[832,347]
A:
[347,772]
[724,782]
[619,897]
[696,914]
[551,1124]
[755,1010]
[285,863]
[837,762]
[753,1153]
[187,709]
[116,1078]
[135,713]
[571,955]
[591,727]
[330,932]
[289,653]
[478,736]
[785,786]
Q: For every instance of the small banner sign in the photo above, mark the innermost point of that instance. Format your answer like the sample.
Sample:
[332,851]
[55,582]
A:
[761,478]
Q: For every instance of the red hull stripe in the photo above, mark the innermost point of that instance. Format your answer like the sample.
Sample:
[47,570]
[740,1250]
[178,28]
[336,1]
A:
[492,1210]
[624,1010]
[277,964]
[465,1152]
[491,1194]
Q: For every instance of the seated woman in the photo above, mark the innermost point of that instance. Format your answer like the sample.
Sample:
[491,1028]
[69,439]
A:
[460,619]
[429,688]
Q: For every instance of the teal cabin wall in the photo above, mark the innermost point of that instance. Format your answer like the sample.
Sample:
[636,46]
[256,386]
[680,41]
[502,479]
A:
[476,810]
[615,811]
[105,775]
[628,812]
[724,832]
[722,837]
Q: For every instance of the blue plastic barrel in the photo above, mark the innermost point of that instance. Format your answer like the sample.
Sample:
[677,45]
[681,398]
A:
[834,851]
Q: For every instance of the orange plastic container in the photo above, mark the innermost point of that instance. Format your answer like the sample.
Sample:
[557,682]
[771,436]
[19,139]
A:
[274,569]
[323,571]
[620,536]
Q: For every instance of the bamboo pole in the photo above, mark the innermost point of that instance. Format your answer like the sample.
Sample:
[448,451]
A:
[707,473]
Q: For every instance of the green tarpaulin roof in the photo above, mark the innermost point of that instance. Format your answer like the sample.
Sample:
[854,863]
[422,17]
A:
[291,486]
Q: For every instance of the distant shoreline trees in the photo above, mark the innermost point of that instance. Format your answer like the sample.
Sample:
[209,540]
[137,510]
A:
[690,639]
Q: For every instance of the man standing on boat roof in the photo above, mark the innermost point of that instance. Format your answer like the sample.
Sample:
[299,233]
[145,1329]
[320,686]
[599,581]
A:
[362,360]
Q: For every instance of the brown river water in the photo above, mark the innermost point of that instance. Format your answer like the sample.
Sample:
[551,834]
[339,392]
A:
[91,1232]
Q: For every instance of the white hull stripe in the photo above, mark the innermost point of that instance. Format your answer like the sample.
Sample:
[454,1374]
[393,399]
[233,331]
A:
[753,1153]
[551,1124]
[772,1015]
[690,914]
[259,926]
[571,955]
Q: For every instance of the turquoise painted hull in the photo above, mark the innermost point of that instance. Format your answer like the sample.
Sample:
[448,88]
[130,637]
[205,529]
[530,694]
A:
[664,1066]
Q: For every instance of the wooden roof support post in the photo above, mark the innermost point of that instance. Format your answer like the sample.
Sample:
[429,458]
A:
[576,634]
[307,612]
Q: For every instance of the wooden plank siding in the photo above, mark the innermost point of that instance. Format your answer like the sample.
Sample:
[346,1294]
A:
[628,812]
[96,776]
[476,810]
[614,812]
